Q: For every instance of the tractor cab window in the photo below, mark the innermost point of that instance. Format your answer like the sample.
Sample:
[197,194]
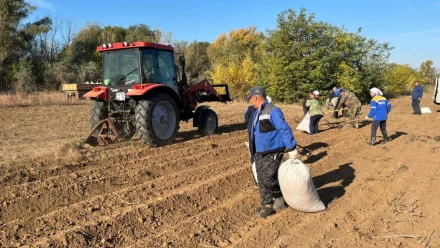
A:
[167,69]
[121,67]
[150,66]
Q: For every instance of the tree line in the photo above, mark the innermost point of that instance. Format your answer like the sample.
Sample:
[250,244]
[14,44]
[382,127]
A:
[300,55]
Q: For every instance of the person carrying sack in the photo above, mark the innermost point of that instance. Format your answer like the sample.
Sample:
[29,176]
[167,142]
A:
[379,109]
[269,137]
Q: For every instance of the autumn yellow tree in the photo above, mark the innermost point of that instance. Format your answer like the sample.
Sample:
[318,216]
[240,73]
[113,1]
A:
[235,59]
[400,78]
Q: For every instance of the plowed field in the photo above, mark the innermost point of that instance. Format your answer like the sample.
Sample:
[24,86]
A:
[199,192]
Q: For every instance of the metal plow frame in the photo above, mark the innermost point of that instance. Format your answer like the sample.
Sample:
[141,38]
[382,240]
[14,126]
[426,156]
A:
[107,134]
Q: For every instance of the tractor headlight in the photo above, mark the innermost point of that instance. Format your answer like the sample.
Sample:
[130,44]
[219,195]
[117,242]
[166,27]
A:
[110,45]
[125,43]
[104,46]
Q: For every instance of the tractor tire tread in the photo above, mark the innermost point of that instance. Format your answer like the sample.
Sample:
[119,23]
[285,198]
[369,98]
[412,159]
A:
[203,129]
[144,127]
[99,112]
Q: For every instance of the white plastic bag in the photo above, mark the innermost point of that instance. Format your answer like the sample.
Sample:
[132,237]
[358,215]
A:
[297,186]
[425,110]
[305,124]
[254,171]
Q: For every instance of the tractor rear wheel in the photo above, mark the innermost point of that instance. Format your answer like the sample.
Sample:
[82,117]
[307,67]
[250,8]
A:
[99,112]
[208,122]
[157,119]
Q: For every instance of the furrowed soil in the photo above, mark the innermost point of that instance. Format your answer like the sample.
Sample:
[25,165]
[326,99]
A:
[199,192]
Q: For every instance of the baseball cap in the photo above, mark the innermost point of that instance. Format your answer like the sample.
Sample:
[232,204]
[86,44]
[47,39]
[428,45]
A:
[256,91]
[316,92]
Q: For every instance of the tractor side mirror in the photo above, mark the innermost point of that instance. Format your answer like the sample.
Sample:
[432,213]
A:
[182,61]
[182,64]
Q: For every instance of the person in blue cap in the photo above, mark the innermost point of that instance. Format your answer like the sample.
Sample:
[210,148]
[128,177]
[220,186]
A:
[269,137]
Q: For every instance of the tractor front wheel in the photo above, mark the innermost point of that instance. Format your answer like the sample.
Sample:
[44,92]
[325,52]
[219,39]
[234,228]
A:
[157,119]
[208,122]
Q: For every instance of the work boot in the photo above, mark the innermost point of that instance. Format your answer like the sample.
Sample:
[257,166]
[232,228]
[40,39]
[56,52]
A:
[278,203]
[266,211]
[386,139]
[372,141]
[356,125]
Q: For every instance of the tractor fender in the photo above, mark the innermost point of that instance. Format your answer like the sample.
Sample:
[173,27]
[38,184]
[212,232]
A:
[140,90]
[99,92]
[198,114]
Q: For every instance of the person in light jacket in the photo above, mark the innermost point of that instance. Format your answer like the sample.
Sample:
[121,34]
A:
[315,111]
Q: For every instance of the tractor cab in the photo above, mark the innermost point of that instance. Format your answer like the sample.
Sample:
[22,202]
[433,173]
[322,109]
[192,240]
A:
[127,64]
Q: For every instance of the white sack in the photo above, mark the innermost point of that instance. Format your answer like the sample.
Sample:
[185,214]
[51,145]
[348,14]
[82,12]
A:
[436,96]
[254,171]
[331,102]
[297,186]
[425,110]
[305,124]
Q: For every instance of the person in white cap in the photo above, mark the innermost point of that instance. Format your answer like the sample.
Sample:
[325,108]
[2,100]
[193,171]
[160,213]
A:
[315,111]
[379,109]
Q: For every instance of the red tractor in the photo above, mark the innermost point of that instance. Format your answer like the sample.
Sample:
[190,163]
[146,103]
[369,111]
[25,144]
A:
[141,94]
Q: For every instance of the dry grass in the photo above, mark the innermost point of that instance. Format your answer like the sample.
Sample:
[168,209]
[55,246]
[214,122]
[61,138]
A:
[37,99]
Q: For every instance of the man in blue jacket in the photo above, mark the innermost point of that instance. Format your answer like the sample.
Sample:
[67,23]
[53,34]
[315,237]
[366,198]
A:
[379,109]
[269,137]
[416,97]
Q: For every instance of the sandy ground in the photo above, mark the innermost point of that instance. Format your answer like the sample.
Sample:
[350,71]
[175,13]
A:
[199,191]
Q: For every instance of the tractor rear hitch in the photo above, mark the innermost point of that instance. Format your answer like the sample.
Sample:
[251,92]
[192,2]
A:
[104,133]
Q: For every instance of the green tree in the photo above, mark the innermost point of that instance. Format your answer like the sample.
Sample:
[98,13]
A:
[83,48]
[141,32]
[12,14]
[427,72]
[40,50]
[303,54]
[24,79]
[299,56]
[112,34]
[197,61]
[364,64]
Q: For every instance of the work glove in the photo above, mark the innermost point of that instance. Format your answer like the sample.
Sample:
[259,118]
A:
[292,154]
[246,143]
